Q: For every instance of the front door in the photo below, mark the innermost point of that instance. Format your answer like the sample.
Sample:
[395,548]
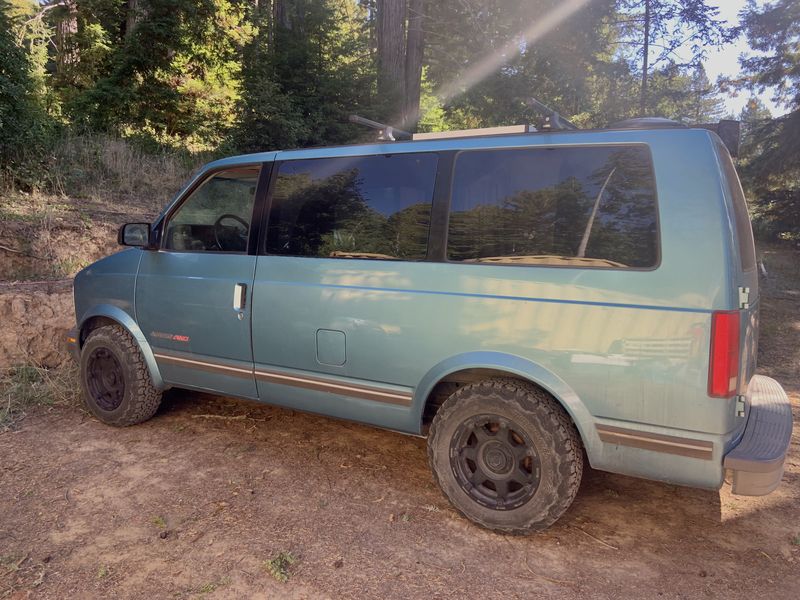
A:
[193,295]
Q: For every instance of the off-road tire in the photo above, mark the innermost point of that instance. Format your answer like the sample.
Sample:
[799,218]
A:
[554,437]
[139,399]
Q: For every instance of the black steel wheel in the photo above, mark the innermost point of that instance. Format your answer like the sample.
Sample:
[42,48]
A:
[495,462]
[104,379]
[116,382]
[506,455]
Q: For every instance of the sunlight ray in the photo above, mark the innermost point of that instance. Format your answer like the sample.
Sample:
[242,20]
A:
[491,63]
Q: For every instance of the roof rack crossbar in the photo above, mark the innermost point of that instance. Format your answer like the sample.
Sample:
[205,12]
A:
[385,132]
[553,120]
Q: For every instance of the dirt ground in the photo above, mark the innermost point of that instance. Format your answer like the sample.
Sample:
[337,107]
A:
[193,504]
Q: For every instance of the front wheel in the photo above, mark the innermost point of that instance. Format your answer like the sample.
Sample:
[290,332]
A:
[506,455]
[116,382]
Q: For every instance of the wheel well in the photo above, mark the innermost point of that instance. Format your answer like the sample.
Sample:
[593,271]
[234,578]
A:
[450,383]
[93,323]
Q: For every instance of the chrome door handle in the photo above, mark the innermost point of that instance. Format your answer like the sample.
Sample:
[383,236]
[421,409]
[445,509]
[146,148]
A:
[239,296]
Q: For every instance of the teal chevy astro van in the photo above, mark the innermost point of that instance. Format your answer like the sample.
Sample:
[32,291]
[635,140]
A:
[526,300]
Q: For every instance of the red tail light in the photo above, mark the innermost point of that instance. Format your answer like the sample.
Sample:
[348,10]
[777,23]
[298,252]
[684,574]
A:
[723,367]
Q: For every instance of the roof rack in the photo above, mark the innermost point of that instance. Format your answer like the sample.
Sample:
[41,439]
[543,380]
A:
[386,133]
[728,130]
[458,133]
[552,120]
[647,123]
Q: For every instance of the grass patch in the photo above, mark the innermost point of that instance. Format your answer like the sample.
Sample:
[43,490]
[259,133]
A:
[9,562]
[213,586]
[99,166]
[796,540]
[278,566]
[26,386]
[159,522]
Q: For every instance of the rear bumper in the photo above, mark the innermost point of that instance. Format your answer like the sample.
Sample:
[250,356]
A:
[73,347]
[758,458]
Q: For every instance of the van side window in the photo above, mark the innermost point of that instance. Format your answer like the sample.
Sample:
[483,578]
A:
[568,206]
[744,231]
[216,217]
[353,207]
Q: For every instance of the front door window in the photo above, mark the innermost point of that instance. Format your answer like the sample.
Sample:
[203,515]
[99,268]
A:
[216,217]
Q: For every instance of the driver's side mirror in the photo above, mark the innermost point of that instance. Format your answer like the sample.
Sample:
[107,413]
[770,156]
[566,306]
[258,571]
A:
[135,234]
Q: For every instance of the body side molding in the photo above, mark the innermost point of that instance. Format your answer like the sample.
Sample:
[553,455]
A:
[656,442]
[349,387]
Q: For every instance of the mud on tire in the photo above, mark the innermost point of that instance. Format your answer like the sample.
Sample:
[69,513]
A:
[506,455]
[116,383]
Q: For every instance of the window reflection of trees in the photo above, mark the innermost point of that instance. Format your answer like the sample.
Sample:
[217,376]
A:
[331,217]
[546,226]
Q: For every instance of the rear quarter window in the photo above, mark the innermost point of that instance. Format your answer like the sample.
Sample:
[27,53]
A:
[592,206]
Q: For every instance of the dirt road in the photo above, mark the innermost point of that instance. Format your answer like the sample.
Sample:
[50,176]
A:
[194,502]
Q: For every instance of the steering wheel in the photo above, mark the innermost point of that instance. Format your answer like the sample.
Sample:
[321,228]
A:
[221,233]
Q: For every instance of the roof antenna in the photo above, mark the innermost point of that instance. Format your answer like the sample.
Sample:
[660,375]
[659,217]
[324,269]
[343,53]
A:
[552,120]
[386,133]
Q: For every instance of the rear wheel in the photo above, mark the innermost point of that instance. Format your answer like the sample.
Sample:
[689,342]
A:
[506,455]
[116,382]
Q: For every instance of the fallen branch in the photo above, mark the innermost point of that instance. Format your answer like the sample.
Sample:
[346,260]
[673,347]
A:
[22,252]
[18,564]
[222,417]
[550,579]
[606,544]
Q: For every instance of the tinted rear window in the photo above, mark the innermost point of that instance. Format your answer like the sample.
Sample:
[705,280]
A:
[744,231]
[376,207]
[568,206]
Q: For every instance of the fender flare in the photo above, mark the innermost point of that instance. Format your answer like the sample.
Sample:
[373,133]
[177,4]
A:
[127,322]
[521,368]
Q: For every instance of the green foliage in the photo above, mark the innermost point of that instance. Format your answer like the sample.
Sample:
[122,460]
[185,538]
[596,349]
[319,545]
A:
[776,214]
[771,164]
[684,95]
[26,386]
[559,68]
[178,79]
[666,33]
[278,566]
[677,27]
[24,128]
[302,77]
[174,76]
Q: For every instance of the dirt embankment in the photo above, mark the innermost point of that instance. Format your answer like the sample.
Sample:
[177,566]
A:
[44,241]
[35,317]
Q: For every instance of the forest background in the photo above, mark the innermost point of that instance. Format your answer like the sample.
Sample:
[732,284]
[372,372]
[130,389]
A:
[189,80]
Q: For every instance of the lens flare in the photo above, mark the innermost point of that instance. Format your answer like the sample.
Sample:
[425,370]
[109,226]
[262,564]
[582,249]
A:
[491,63]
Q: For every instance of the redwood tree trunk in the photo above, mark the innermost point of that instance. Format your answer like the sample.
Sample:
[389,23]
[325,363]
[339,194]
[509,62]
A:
[131,17]
[391,16]
[415,47]
[66,29]
[645,59]
[280,14]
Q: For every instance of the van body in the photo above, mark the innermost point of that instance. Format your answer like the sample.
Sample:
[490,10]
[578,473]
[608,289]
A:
[607,275]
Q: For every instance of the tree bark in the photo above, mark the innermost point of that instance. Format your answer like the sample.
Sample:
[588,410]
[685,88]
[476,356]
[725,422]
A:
[415,48]
[391,55]
[131,17]
[66,29]
[280,14]
[645,59]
